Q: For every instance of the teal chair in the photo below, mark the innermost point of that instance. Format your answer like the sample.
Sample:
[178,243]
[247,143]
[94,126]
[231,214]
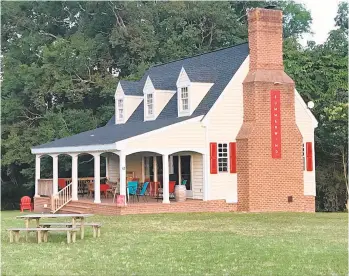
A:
[142,193]
[132,189]
[184,182]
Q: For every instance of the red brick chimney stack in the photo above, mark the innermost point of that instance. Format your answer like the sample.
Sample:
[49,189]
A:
[269,144]
[265,39]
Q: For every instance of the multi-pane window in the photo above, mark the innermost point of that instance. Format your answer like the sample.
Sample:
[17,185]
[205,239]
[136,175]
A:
[150,104]
[120,109]
[184,99]
[223,157]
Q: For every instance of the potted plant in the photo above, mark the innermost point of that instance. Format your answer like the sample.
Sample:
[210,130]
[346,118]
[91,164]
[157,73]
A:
[181,191]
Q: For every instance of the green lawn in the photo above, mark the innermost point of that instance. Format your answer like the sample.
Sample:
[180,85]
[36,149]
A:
[188,244]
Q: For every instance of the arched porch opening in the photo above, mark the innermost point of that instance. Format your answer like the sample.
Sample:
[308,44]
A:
[93,175]
[187,167]
[144,166]
[52,173]
[45,168]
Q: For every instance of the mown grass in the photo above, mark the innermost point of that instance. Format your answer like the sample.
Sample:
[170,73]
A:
[188,244]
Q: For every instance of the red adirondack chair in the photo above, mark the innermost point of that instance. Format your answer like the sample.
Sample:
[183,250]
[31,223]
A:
[26,203]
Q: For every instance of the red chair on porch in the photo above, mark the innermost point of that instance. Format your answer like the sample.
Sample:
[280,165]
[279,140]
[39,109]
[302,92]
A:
[104,189]
[172,185]
[26,204]
[61,183]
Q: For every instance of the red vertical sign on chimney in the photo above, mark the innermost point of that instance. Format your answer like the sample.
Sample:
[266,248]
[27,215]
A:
[275,124]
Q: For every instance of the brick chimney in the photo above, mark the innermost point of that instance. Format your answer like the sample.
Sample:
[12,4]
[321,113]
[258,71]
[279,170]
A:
[269,144]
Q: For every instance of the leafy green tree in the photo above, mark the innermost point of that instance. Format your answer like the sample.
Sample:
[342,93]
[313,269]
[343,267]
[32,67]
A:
[321,75]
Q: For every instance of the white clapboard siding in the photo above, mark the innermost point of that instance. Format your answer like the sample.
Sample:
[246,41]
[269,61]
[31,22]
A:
[131,103]
[197,175]
[183,79]
[113,167]
[305,125]
[134,164]
[224,122]
[161,100]
[186,135]
[197,92]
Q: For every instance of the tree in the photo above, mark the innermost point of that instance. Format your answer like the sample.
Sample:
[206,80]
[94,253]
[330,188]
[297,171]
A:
[321,75]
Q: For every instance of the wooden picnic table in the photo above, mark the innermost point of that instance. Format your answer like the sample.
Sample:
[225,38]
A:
[74,217]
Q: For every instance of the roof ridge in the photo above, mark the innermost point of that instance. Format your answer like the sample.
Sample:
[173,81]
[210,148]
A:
[204,53]
[127,80]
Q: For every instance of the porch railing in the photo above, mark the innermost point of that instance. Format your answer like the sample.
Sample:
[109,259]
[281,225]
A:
[45,187]
[62,198]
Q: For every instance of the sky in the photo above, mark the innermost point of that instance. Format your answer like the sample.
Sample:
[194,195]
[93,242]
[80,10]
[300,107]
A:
[323,13]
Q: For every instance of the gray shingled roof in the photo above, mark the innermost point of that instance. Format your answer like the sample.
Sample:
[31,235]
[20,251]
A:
[218,66]
[131,88]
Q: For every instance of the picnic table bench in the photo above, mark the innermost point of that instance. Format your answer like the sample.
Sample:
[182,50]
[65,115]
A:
[73,217]
[95,226]
[43,233]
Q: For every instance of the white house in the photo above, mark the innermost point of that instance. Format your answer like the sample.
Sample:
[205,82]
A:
[181,121]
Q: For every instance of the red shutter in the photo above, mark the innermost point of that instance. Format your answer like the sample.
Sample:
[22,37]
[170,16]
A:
[309,152]
[232,155]
[213,158]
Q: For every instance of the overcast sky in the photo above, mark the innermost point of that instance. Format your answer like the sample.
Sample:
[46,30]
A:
[323,13]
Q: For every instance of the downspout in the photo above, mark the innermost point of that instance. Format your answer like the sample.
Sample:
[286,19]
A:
[206,186]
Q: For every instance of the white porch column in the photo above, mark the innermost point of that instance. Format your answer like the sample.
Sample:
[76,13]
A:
[155,169]
[122,170]
[74,176]
[55,173]
[205,172]
[97,175]
[107,166]
[37,174]
[122,173]
[143,174]
[166,179]
[179,170]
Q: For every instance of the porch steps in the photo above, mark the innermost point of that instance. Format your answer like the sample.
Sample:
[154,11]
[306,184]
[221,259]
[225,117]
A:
[75,208]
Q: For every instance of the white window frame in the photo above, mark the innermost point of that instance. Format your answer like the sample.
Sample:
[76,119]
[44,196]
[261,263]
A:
[227,156]
[184,90]
[181,111]
[121,108]
[147,114]
[117,113]
[149,90]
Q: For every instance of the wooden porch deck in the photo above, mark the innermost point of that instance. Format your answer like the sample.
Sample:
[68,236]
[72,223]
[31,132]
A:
[109,200]
[107,207]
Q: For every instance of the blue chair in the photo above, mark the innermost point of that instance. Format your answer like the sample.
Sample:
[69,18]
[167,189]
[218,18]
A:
[132,189]
[142,193]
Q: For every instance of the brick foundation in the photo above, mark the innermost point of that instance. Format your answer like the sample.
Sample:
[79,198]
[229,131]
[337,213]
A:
[189,206]
[39,204]
[309,204]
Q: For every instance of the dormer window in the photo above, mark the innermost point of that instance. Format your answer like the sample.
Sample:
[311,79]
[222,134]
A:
[184,99]
[120,109]
[150,104]
[150,99]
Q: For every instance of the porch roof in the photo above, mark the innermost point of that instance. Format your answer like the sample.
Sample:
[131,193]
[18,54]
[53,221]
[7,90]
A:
[221,64]
[109,134]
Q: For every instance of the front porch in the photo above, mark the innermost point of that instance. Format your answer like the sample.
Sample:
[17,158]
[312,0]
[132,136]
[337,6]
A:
[120,169]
